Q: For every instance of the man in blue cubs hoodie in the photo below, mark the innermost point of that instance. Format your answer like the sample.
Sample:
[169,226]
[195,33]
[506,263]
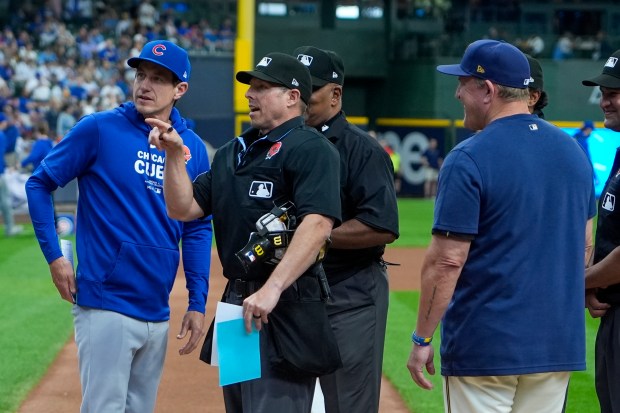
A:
[128,248]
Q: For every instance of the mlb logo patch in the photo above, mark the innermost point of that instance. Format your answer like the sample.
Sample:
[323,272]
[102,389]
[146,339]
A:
[609,202]
[264,61]
[305,59]
[611,62]
[261,189]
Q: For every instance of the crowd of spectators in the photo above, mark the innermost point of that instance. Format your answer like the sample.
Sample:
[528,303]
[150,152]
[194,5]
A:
[58,65]
[565,46]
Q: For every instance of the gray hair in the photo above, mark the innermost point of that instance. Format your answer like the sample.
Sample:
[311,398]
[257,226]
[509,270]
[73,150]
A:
[510,94]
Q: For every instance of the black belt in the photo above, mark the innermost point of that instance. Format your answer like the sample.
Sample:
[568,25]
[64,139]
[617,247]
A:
[609,295]
[244,288]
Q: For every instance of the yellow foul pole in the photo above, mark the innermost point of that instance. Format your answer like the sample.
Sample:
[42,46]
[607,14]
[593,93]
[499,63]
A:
[244,51]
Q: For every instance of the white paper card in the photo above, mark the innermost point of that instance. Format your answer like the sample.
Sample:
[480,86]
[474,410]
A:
[224,312]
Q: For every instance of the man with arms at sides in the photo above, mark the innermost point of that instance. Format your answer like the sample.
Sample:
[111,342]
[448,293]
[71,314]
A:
[603,278]
[6,207]
[354,265]
[431,162]
[518,182]
[277,160]
[128,248]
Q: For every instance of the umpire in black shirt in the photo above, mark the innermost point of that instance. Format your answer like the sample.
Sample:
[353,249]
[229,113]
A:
[354,266]
[278,160]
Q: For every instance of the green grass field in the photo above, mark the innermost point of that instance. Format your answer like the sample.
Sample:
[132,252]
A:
[415,221]
[34,320]
[36,323]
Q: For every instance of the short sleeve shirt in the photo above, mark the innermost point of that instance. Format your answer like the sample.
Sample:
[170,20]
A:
[608,228]
[292,163]
[523,190]
[366,191]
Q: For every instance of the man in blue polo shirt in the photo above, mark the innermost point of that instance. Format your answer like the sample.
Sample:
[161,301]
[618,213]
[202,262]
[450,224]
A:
[505,269]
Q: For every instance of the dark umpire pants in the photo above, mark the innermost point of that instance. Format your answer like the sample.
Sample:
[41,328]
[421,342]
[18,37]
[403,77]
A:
[607,361]
[274,392]
[358,315]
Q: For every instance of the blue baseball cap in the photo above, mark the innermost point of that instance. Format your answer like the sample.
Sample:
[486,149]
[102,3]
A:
[499,62]
[166,54]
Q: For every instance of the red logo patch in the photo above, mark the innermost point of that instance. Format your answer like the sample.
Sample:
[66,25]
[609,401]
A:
[273,151]
[188,154]
[158,49]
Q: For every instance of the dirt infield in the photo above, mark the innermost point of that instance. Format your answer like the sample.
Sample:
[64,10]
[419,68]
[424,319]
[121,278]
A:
[189,385]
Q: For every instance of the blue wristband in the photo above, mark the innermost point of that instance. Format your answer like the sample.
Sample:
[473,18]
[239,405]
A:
[421,341]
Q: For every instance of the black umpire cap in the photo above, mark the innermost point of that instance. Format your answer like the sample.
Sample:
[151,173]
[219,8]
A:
[610,78]
[281,69]
[536,74]
[325,65]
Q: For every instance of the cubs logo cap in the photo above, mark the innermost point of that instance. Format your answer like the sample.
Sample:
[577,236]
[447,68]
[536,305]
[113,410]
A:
[610,78]
[166,54]
[536,73]
[325,65]
[493,60]
[281,69]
